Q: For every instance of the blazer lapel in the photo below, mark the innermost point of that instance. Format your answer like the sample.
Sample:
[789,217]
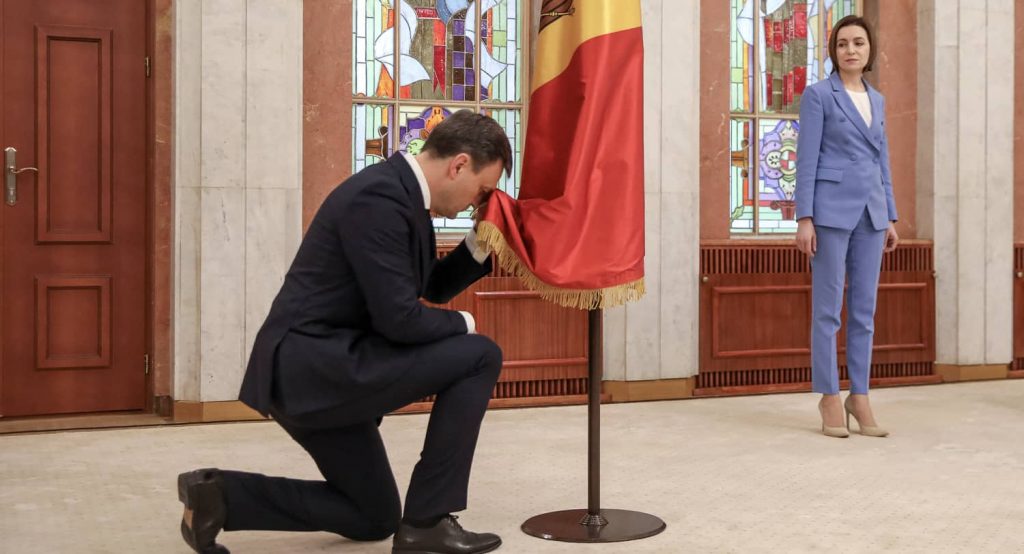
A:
[846,104]
[424,227]
[877,117]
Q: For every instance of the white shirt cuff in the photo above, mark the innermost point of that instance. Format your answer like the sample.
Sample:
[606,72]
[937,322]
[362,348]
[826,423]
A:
[479,254]
[470,323]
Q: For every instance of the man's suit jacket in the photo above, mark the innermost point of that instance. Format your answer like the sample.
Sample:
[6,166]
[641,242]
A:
[842,165]
[350,304]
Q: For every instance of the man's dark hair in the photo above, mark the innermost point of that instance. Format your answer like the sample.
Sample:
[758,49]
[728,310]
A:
[467,132]
[846,22]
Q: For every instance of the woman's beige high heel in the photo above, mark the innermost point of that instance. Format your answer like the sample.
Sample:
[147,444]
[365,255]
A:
[866,430]
[837,432]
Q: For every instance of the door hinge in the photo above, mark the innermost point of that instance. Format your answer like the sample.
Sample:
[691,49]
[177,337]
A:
[146,362]
[148,67]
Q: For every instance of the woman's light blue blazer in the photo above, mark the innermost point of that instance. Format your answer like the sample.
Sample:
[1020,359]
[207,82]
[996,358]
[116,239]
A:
[842,165]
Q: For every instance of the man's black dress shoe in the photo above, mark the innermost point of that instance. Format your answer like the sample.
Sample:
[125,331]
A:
[447,537]
[202,494]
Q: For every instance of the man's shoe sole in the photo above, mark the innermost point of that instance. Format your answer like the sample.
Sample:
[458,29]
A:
[188,492]
[404,551]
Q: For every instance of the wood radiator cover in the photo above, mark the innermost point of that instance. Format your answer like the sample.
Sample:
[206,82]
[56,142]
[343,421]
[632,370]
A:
[755,309]
[544,345]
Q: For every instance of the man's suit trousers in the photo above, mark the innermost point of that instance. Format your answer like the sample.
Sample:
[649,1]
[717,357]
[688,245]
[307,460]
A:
[358,497]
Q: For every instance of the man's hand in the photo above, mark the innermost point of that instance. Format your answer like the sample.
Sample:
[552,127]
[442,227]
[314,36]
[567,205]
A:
[477,213]
[806,238]
[891,238]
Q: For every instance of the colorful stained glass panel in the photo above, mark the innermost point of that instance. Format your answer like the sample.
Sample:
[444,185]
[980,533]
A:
[813,43]
[834,11]
[461,79]
[424,52]
[415,124]
[783,54]
[373,47]
[500,50]
[371,134]
[435,53]
[776,175]
[741,175]
[741,56]
[510,120]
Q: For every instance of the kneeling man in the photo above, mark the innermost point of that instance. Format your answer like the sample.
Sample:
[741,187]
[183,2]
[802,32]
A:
[347,340]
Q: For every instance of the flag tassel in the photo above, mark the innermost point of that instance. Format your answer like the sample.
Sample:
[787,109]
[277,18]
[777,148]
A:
[490,237]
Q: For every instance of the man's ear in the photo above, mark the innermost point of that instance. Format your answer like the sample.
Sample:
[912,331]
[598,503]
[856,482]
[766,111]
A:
[460,162]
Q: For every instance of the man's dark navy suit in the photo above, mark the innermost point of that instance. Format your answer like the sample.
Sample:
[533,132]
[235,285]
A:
[346,341]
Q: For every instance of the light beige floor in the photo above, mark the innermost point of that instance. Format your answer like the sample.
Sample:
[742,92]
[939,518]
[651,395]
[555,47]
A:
[744,474]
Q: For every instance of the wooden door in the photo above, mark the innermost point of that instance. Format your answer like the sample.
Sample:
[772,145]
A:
[73,304]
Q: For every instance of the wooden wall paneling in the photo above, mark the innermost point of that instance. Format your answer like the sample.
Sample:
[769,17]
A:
[755,318]
[753,322]
[544,345]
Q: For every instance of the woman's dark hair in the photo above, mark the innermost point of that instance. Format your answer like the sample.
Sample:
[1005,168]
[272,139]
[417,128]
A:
[467,132]
[846,22]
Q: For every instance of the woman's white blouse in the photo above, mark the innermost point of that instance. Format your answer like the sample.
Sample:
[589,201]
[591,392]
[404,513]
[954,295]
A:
[860,99]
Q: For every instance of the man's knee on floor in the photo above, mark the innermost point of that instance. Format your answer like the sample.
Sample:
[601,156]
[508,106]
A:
[376,532]
[381,523]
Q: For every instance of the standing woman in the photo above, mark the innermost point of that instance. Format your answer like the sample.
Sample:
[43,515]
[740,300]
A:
[845,211]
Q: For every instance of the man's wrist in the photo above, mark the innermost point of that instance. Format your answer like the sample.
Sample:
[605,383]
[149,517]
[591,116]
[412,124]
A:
[470,322]
[479,254]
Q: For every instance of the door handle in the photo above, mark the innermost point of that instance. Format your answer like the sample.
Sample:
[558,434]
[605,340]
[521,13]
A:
[11,172]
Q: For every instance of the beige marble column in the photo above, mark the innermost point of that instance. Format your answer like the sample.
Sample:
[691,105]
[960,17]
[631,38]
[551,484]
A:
[238,138]
[656,338]
[965,174]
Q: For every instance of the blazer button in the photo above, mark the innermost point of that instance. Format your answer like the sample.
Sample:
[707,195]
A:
[876,160]
[842,120]
[853,156]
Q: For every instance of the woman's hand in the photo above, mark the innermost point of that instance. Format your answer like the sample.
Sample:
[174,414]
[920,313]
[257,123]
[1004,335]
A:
[806,238]
[891,238]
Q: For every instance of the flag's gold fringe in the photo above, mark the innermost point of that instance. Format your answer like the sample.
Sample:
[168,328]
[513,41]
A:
[584,299]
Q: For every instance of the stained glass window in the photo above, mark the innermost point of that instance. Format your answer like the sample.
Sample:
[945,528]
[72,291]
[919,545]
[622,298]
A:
[371,34]
[510,121]
[448,55]
[783,61]
[834,11]
[500,50]
[776,171]
[741,172]
[777,49]
[371,140]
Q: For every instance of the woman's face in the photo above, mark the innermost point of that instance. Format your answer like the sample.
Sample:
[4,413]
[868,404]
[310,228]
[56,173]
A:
[852,48]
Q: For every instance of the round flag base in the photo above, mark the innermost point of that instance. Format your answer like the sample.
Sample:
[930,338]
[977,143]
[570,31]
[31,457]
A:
[580,526]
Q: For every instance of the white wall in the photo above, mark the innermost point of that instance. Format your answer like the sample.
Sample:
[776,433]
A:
[238,176]
[965,173]
[657,338]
